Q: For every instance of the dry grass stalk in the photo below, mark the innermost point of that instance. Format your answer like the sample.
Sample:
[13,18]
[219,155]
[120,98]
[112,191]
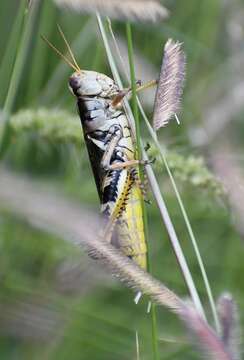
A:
[170,86]
[142,10]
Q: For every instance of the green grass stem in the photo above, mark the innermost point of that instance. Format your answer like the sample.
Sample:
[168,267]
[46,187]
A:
[7,62]
[19,65]
[139,156]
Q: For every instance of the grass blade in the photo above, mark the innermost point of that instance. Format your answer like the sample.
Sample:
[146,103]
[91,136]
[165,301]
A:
[10,53]
[21,58]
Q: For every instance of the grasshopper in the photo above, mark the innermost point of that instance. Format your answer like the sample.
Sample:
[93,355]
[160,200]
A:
[112,155]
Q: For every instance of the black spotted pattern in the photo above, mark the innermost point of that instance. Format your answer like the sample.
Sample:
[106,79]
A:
[110,192]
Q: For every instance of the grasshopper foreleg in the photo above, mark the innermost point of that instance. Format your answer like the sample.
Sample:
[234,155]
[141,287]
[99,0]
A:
[127,92]
[130,163]
[113,137]
[123,93]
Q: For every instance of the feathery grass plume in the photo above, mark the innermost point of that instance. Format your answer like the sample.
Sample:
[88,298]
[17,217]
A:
[135,10]
[48,212]
[192,170]
[55,126]
[230,326]
[170,84]
[203,336]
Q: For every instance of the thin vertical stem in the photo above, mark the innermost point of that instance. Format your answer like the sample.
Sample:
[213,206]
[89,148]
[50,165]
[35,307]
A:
[133,88]
[139,156]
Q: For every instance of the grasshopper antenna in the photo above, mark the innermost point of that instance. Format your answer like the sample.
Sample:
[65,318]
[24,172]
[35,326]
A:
[68,47]
[75,67]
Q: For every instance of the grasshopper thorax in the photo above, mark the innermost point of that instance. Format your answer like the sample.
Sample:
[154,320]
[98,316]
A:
[92,83]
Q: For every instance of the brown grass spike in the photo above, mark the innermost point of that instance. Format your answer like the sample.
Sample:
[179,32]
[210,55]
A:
[170,85]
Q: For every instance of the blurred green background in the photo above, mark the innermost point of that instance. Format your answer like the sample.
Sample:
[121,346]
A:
[57,304]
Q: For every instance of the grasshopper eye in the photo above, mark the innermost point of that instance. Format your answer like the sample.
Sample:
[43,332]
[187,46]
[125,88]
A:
[74,83]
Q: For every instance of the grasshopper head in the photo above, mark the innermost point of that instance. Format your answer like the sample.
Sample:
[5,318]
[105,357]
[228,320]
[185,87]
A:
[92,83]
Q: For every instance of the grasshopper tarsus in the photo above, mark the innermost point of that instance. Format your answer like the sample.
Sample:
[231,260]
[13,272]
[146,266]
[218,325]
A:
[147,147]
